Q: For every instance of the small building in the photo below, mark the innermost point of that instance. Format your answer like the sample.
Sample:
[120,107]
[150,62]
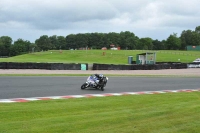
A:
[193,48]
[146,58]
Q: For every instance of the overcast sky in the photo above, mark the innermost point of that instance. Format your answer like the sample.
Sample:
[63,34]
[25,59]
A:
[30,19]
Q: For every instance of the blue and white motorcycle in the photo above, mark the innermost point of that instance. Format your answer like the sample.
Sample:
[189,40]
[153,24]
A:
[93,82]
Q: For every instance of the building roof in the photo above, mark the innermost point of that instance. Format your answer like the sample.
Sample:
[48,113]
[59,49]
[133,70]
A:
[146,53]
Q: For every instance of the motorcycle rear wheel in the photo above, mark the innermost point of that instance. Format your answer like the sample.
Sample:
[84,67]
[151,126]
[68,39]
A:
[83,86]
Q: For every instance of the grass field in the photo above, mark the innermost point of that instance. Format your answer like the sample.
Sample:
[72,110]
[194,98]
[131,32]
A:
[96,56]
[158,113]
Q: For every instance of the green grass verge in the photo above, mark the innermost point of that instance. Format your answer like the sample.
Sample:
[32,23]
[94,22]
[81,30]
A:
[96,56]
[158,113]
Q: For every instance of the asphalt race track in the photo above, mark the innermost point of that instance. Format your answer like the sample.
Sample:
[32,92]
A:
[25,87]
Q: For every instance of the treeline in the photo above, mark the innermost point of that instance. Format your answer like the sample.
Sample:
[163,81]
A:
[124,40]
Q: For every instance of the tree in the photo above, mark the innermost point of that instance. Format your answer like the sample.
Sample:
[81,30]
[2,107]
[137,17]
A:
[132,42]
[96,40]
[5,44]
[57,42]
[112,38]
[197,29]
[82,40]
[145,44]
[44,43]
[186,39]
[33,48]
[164,42]
[70,41]
[19,47]
[54,42]
[189,37]
[158,45]
[61,43]
[195,38]
[173,42]
[106,41]
[128,40]
[2,49]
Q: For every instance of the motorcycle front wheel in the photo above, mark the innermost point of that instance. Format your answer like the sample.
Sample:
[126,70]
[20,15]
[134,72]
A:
[83,86]
[102,88]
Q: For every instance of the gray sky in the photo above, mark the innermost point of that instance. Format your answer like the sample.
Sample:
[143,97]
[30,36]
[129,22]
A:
[30,19]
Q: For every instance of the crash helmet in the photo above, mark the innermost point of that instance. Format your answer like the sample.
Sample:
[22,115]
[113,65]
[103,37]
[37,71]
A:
[100,76]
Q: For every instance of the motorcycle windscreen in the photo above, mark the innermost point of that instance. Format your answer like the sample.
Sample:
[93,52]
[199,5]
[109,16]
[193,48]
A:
[90,79]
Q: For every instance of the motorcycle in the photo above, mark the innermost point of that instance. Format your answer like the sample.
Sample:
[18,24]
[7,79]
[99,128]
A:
[93,82]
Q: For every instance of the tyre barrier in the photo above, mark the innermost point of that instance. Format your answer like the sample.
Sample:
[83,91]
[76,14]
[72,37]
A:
[140,67]
[3,65]
[193,65]
[47,66]
[62,66]
[74,66]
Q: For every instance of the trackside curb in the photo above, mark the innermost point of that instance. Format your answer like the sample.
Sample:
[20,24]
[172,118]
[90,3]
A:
[15,100]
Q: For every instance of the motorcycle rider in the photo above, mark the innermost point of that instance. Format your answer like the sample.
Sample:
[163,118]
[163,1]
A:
[99,77]
[101,82]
